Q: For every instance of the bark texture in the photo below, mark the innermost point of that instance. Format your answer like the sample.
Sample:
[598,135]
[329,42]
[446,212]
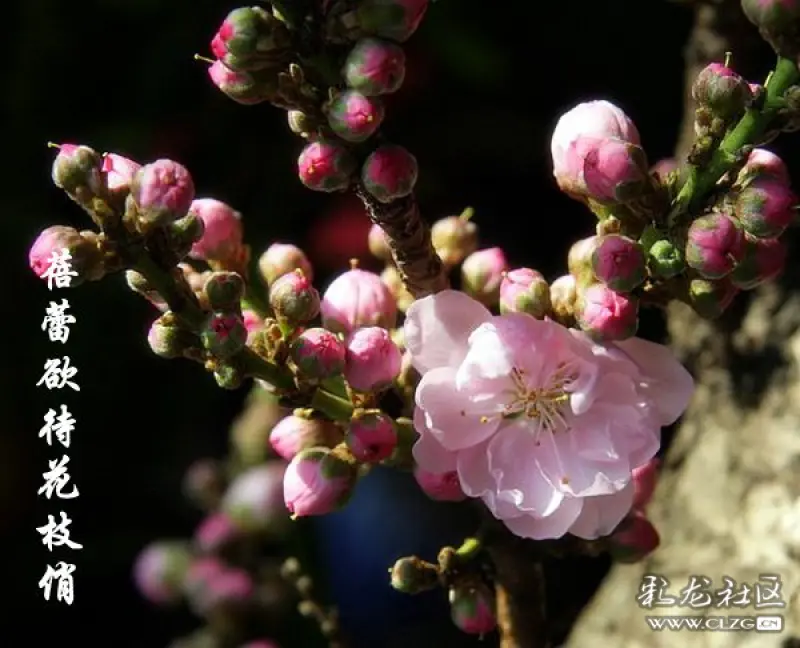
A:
[728,502]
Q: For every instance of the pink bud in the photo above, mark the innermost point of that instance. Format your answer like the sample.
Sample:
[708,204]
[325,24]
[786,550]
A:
[580,259]
[317,482]
[618,262]
[455,238]
[379,244]
[239,85]
[372,361]
[634,539]
[215,532]
[318,353]
[119,172]
[709,297]
[563,295]
[357,298]
[607,315]
[722,90]
[777,21]
[442,487]
[282,258]
[472,608]
[52,240]
[765,207]
[213,586]
[294,298]
[371,437]
[663,168]
[482,274]
[252,322]
[325,165]
[163,192]
[396,20]
[389,173]
[375,67]
[222,233]
[159,571]
[524,291]
[78,169]
[762,162]
[715,244]
[253,500]
[763,260]
[293,434]
[355,117]
[644,482]
[604,169]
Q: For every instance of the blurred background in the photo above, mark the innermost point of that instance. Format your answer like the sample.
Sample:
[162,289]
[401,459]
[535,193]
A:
[485,86]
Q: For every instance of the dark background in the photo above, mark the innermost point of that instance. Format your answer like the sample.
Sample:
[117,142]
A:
[485,85]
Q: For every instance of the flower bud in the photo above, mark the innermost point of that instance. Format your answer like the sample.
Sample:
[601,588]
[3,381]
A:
[765,207]
[119,172]
[293,298]
[318,354]
[78,169]
[606,315]
[410,575]
[372,359]
[644,482]
[212,587]
[245,88]
[618,262]
[394,282]
[163,191]
[402,457]
[524,291]
[168,339]
[85,259]
[714,246]
[711,298]
[184,233]
[606,170]
[389,173]
[204,483]
[159,571]
[228,376]
[634,539]
[763,260]
[379,244]
[357,298]
[579,133]
[224,334]
[482,273]
[253,499]
[664,168]
[472,608]
[224,290]
[724,92]
[317,482]
[375,67]
[249,38]
[762,162]
[442,487]
[293,434]
[396,20]
[215,532]
[563,296]
[665,259]
[354,117]
[325,165]
[580,260]
[455,238]
[371,437]
[222,237]
[778,22]
[282,258]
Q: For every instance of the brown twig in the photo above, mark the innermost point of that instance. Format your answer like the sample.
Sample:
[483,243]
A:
[410,241]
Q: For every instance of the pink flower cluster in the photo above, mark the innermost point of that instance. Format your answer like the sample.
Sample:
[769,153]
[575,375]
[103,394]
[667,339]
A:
[540,422]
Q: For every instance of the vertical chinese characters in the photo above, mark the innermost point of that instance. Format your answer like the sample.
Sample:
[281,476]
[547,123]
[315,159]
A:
[59,373]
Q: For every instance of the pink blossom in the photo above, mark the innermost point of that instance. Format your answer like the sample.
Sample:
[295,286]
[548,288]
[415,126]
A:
[762,162]
[357,298]
[119,172]
[440,486]
[605,314]
[372,359]
[222,230]
[537,420]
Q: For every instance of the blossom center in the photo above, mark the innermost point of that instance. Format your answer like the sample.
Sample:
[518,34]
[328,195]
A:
[543,404]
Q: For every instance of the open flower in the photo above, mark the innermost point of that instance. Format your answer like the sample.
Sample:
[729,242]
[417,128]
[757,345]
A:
[540,422]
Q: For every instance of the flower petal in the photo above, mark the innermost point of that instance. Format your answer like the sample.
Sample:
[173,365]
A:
[429,454]
[669,385]
[455,419]
[601,515]
[550,527]
[477,481]
[437,328]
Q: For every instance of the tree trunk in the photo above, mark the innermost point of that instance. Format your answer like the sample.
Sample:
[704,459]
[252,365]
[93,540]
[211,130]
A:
[728,502]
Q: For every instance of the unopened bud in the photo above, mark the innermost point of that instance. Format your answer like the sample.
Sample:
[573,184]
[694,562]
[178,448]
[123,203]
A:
[715,244]
[294,433]
[634,539]
[778,21]
[763,260]
[472,608]
[246,88]
[644,482]
[372,359]
[318,354]
[563,296]
[168,339]
[224,334]
[119,172]
[389,173]
[724,92]
[357,298]
[355,117]
[224,290]
[78,170]
[618,262]
[394,282]
[482,273]
[765,207]
[606,315]
[665,259]
[300,123]
[760,163]
[442,487]
[163,191]
[371,437]
[222,237]
[83,256]
[294,299]
[407,436]
[375,67]
[250,38]
[455,238]
[580,260]
[525,291]
[410,575]
[710,298]
[326,165]
[396,20]
[159,571]
[184,233]
[318,481]
[282,258]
